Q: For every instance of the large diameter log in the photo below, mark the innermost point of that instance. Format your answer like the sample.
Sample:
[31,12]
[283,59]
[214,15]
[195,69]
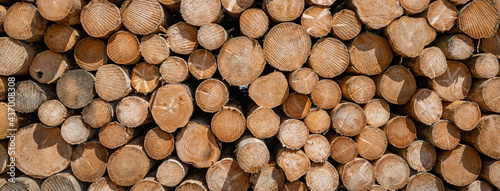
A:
[15,56]
[317,120]
[348,119]
[377,14]
[201,12]
[296,105]
[479,10]
[317,21]
[252,154]
[371,142]
[269,91]
[414,6]
[254,23]
[359,89]
[133,111]
[105,184]
[269,178]
[132,153]
[369,54]
[420,155]
[212,36]
[287,45]
[442,134]
[154,48]
[431,62]
[61,11]
[23,21]
[29,95]
[47,66]
[408,36]
[98,113]
[326,94]
[172,106]
[22,183]
[345,24]
[62,181]
[158,143]
[441,15]
[456,47]
[485,93]
[454,84]
[61,38]
[211,95]
[460,166]
[295,186]
[174,69]
[123,48]
[396,85]
[484,137]
[424,181]
[75,131]
[145,78]
[377,112]
[194,181]
[296,169]
[143,17]
[322,176]
[229,123]
[114,135]
[53,113]
[148,183]
[202,64]
[75,88]
[483,65]
[344,149]
[171,172]
[196,144]
[284,10]
[489,171]
[90,53]
[329,57]
[317,148]
[391,171]
[425,106]
[357,174]
[44,151]
[240,61]
[100,18]
[303,80]
[464,114]
[263,122]
[89,160]
[400,131]
[226,175]
[112,82]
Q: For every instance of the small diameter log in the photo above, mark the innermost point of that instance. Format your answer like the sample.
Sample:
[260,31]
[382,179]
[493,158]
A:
[317,120]
[254,23]
[47,66]
[391,171]
[75,131]
[485,93]
[15,56]
[100,18]
[112,82]
[174,70]
[491,45]
[145,78]
[359,89]
[441,15]
[296,105]
[348,119]
[202,64]
[296,186]
[345,25]
[303,80]
[212,36]
[484,138]
[29,95]
[329,57]
[196,144]
[114,135]
[211,95]
[62,181]
[414,6]
[269,91]
[430,63]
[229,123]
[75,88]
[283,10]
[270,177]
[442,134]
[89,160]
[489,171]
[252,154]
[483,65]
[357,174]
[201,12]
[369,54]
[24,22]
[464,114]
[105,184]
[235,7]
[123,48]
[158,144]
[296,169]
[53,113]
[61,38]
[420,155]
[262,122]
[148,183]
[479,10]
[344,149]
[44,151]
[377,112]
[226,175]
[317,21]
[143,17]
[61,11]
[372,143]
[133,111]
[194,181]
[425,106]
[171,172]
[172,106]
[317,148]
[456,47]
[22,183]
[400,131]
[454,84]
[98,113]
[154,48]
[408,36]
[90,53]
[240,61]
[322,176]
[460,166]
[287,52]
[424,181]
[377,14]
[326,94]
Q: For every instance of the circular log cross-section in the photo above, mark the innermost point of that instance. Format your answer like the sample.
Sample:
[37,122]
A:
[98,113]
[377,112]
[425,106]
[154,48]
[400,131]
[479,10]
[226,175]
[132,153]
[229,123]
[75,131]
[158,144]
[181,38]
[254,23]
[112,82]
[424,181]
[284,10]
[359,89]
[408,36]
[391,171]
[317,21]
[100,18]
[201,12]
[61,181]
[172,106]
[75,88]
[377,14]
[485,93]
[357,174]
[344,149]
[329,57]
[454,84]
[269,91]
[212,36]
[15,56]
[348,119]
[460,166]
[53,113]
[114,135]
[303,80]
[420,155]
[145,78]
[202,64]
[287,45]
[24,22]
[263,122]
[317,148]
[456,47]
[326,94]
[442,134]
[369,54]
[29,95]
[296,106]
[345,24]
[483,65]
[143,17]
[123,48]
[61,38]
[269,178]
[196,144]
[133,111]
[484,138]
[47,66]
[322,176]
[317,120]
[441,15]
[430,63]
[65,12]
[372,143]
[171,172]
[211,95]
[464,114]
[293,134]
[252,154]
[174,69]
[89,160]
[296,169]
[90,53]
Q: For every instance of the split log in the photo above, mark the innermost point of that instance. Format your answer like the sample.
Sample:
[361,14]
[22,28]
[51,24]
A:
[240,61]
[112,82]
[262,122]
[485,93]
[484,137]
[299,167]
[23,21]
[174,69]
[377,112]
[329,57]
[202,64]
[283,10]
[420,155]
[90,53]
[491,45]
[61,38]
[424,181]
[286,52]
[456,47]
[442,134]
[226,175]
[357,174]
[196,144]
[326,94]
[377,14]
[172,106]
[123,48]
[317,120]
[158,144]
[133,111]
[75,131]
[460,166]
[75,88]
[359,89]
[464,114]
[171,172]
[483,65]
[194,181]
[211,95]
[61,11]
[441,15]
[479,10]
[348,119]
[303,80]
[322,176]
[317,148]
[425,106]
[317,21]
[371,143]
[154,48]
[391,171]
[269,91]
[181,38]
[212,36]
[369,54]
[148,183]
[254,23]
[100,18]
[296,105]
[22,183]
[98,113]
[489,171]
[29,95]
[408,36]
[454,84]
[295,186]
[414,6]
[229,123]
[47,66]
[62,181]
[400,131]
[145,78]
[201,12]
[344,149]
[105,184]
[430,63]
[252,154]
[235,7]
[15,56]
[53,113]
[114,135]
[89,160]
[143,17]
[345,24]
[270,177]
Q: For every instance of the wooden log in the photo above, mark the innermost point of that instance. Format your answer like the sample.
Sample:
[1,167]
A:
[114,135]
[112,82]
[377,112]
[483,65]
[90,53]
[61,38]
[45,152]
[3,12]
[17,119]
[98,113]
[391,171]
[413,6]
[357,174]
[283,10]
[174,69]
[172,106]
[348,119]
[329,57]
[154,48]
[145,78]
[441,15]
[464,114]
[359,89]
[240,61]
[171,172]
[326,94]
[317,120]
[317,148]
[62,181]
[234,8]
[211,95]
[454,84]
[89,160]
[456,47]
[226,174]
[158,144]
[75,131]
[254,23]
[75,88]
[431,62]
[484,93]
[371,143]
[229,123]
[133,111]
[212,36]
[442,134]
[477,185]
[377,14]
[376,187]
[4,86]
[100,18]
[22,183]
[296,169]
[201,12]
[171,5]
[286,52]
[295,186]
[420,155]
[29,95]
[303,80]
[459,167]
[105,184]
[491,45]
[369,54]
[408,36]
[424,181]
[345,24]
[196,144]
[270,177]
[459,2]
[148,183]
[400,131]
[202,64]
[252,154]
[269,91]
[425,106]
[62,12]
[23,21]
[322,176]
[194,181]
[262,122]
[489,171]
[5,158]
[15,56]
[143,17]
[296,105]
[53,113]
[47,66]
[479,10]
[123,48]
[344,149]
[317,21]
[484,137]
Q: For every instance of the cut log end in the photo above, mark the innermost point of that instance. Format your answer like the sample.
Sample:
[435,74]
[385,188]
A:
[372,143]
[460,166]
[358,174]
[326,94]
[211,95]
[391,171]
[158,144]
[345,24]
[303,80]
[400,131]
[348,119]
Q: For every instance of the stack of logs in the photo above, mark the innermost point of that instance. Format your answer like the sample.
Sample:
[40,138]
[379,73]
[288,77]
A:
[233,95]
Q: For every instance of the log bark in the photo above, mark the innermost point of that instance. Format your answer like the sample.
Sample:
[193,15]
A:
[369,54]
[229,123]
[408,36]
[90,53]
[348,119]
[317,21]
[283,10]
[29,95]
[254,23]
[459,167]
[359,89]
[317,148]
[114,135]
[442,134]
[358,174]
[430,63]
[133,111]
[371,143]
[105,184]
[174,70]
[296,105]
[329,57]
[464,114]
[212,36]
[400,131]
[485,92]
[479,10]
[425,106]
[344,149]
[345,25]
[75,131]
[47,66]
[269,91]
[201,12]
[23,21]
[148,183]
[262,122]
[143,17]
[455,47]
[300,166]
[171,172]
[196,144]
[326,94]
[211,95]
[483,65]
[322,176]
[484,137]
[303,80]
[100,18]
[391,171]
[270,177]
[61,11]
[441,15]
[489,171]
[145,78]
[22,183]
[89,160]
[424,181]
[395,85]
[420,155]
[15,56]
[154,48]
[414,6]
[62,38]
[98,113]
[172,106]
[75,88]
[53,113]
[62,181]
[123,48]
[317,120]
[226,175]
[454,84]
[252,154]
[235,7]
[112,82]
[377,112]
